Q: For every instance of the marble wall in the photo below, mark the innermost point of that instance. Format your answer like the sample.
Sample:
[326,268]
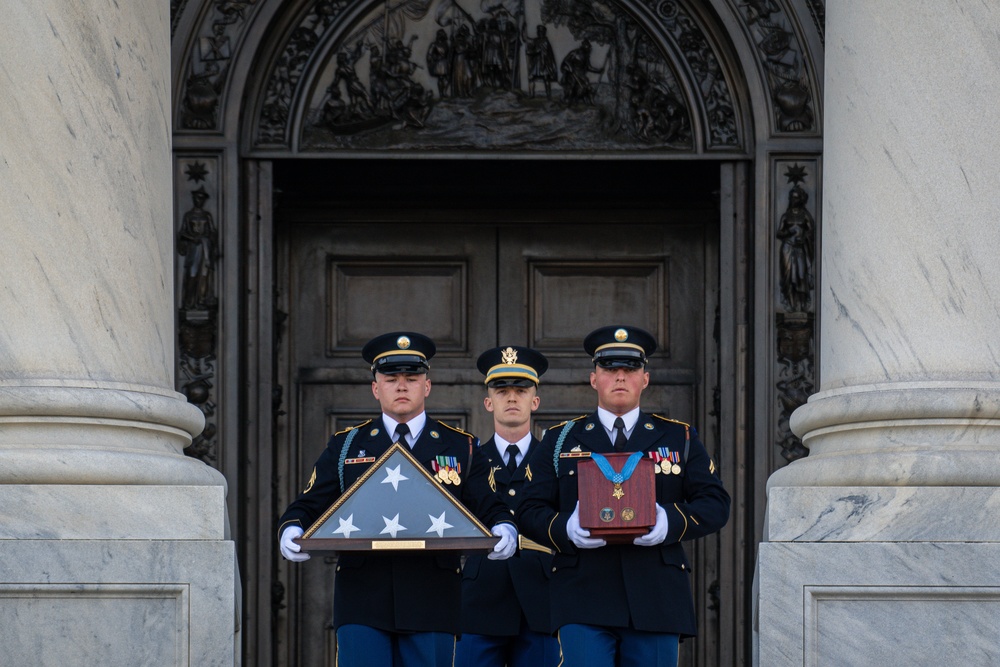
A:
[880,544]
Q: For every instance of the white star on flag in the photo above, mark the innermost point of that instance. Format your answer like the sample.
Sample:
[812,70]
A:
[438,525]
[392,526]
[394,477]
[346,526]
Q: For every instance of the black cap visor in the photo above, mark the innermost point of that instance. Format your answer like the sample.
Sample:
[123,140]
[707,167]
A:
[510,382]
[619,358]
[400,363]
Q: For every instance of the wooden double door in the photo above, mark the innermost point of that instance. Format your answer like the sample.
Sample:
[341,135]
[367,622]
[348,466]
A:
[471,280]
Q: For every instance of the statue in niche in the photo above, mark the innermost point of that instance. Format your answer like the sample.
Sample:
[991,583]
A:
[198,243]
[541,60]
[796,231]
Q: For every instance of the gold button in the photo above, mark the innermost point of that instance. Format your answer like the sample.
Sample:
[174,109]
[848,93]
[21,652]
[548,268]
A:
[511,492]
[572,472]
[553,569]
[458,570]
[512,511]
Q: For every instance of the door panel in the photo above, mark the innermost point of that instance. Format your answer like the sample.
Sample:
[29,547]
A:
[470,287]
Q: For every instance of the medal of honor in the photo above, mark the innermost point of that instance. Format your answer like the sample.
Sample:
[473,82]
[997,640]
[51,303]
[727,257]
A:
[617,478]
[618,495]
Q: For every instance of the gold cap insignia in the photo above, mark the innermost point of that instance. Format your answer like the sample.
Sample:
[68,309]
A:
[403,342]
[508,356]
[621,335]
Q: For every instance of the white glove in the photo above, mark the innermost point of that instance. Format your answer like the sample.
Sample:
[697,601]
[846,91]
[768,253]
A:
[289,549]
[657,533]
[578,536]
[505,548]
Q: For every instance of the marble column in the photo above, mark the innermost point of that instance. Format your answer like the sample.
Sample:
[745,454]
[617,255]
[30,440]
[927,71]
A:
[875,541]
[113,544]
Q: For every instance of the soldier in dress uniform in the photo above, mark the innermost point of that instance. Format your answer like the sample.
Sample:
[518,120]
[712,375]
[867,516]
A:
[505,604]
[398,608]
[622,604]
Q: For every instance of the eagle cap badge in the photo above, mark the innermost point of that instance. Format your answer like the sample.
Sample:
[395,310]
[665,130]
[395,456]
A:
[621,335]
[403,342]
[508,356]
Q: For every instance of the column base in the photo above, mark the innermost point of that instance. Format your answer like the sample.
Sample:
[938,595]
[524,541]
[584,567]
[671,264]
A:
[118,603]
[902,433]
[873,603]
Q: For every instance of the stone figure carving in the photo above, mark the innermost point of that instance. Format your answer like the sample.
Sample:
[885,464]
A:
[575,67]
[541,60]
[796,231]
[198,243]
[358,104]
[795,377]
[439,62]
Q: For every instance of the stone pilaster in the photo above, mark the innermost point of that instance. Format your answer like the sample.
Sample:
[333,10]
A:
[104,521]
[867,536]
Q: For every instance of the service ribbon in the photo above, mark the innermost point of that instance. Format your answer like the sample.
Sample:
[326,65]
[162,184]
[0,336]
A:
[617,477]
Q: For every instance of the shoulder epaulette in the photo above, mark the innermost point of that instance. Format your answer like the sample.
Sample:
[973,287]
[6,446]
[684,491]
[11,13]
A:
[455,429]
[675,421]
[351,428]
[561,424]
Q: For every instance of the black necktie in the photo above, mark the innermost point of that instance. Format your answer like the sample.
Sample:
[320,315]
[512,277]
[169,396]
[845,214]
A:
[401,431]
[512,451]
[620,439]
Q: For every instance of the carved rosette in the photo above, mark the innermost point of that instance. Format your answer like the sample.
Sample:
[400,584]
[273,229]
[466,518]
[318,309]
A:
[197,271]
[796,232]
[781,56]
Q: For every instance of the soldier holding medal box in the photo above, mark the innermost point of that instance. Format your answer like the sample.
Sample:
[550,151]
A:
[614,494]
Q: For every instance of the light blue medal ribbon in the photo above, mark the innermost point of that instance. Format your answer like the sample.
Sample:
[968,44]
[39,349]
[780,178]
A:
[617,478]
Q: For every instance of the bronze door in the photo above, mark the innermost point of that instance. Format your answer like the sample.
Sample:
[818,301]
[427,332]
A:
[471,286]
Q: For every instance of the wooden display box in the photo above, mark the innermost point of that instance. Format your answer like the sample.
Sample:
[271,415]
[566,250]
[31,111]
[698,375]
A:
[617,515]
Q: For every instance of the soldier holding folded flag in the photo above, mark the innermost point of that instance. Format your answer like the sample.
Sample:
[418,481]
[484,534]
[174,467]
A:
[622,604]
[398,608]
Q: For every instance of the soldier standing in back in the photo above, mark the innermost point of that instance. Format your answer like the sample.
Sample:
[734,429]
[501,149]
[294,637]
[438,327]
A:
[505,604]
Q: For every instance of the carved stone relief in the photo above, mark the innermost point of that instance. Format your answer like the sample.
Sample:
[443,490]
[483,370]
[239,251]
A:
[781,55]
[708,72]
[209,61]
[197,245]
[548,75]
[795,233]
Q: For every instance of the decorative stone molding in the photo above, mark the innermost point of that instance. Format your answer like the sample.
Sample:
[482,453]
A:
[781,56]
[795,232]
[198,255]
